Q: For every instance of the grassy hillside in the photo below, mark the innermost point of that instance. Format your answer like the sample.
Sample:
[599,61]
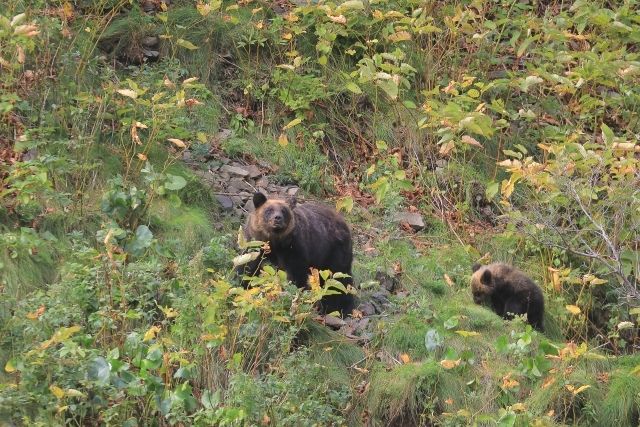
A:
[510,127]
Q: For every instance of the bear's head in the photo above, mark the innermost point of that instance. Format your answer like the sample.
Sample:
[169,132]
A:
[272,218]
[481,283]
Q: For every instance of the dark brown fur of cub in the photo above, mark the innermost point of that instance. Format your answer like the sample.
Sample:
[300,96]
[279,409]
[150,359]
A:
[302,236]
[508,291]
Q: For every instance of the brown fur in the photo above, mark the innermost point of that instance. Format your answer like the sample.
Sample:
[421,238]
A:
[508,291]
[301,237]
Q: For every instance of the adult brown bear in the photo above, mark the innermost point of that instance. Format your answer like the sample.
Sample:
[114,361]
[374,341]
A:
[509,291]
[301,237]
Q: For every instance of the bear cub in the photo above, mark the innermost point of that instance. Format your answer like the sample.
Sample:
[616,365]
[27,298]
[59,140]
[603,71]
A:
[508,291]
[302,236]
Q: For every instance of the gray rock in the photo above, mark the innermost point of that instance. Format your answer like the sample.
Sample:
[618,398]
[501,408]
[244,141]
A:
[248,206]
[292,191]
[254,171]
[235,170]
[332,322]
[238,185]
[367,309]
[150,41]
[390,283]
[412,218]
[225,202]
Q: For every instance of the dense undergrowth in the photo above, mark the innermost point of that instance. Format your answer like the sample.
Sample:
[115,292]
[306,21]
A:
[512,126]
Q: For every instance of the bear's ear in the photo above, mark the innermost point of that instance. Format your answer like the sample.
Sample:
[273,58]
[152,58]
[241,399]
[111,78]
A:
[292,202]
[486,277]
[475,267]
[259,199]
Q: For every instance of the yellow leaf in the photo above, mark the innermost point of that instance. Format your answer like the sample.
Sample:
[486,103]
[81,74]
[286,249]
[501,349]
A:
[314,280]
[340,19]
[292,123]
[151,333]
[169,312]
[141,125]
[282,140]
[72,392]
[405,358]
[60,335]
[168,83]
[399,36]
[574,390]
[449,364]
[448,280]
[57,391]
[128,93]
[507,187]
[10,366]
[635,371]
[177,142]
[287,36]
[573,309]
[190,80]
[36,314]
[467,333]
[518,407]
[141,156]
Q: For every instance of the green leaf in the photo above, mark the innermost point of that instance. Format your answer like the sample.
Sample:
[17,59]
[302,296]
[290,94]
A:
[502,344]
[99,370]
[492,190]
[353,88]
[210,400]
[186,44]
[175,182]
[389,87]
[432,340]
[451,322]
[410,104]
[141,241]
[607,134]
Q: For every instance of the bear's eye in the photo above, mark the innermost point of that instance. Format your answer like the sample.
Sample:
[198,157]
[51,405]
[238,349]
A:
[268,211]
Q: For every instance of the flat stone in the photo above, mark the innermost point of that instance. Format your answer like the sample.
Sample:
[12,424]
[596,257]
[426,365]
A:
[412,218]
[235,170]
[248,206]
[238,185]
[332,322]
[254,171]
[225,202]
[292,191]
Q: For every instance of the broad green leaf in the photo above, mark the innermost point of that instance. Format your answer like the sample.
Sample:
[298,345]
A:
[607,134]
[492,190]
[175,182]
[353,88]
[186,44]
[389,87]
